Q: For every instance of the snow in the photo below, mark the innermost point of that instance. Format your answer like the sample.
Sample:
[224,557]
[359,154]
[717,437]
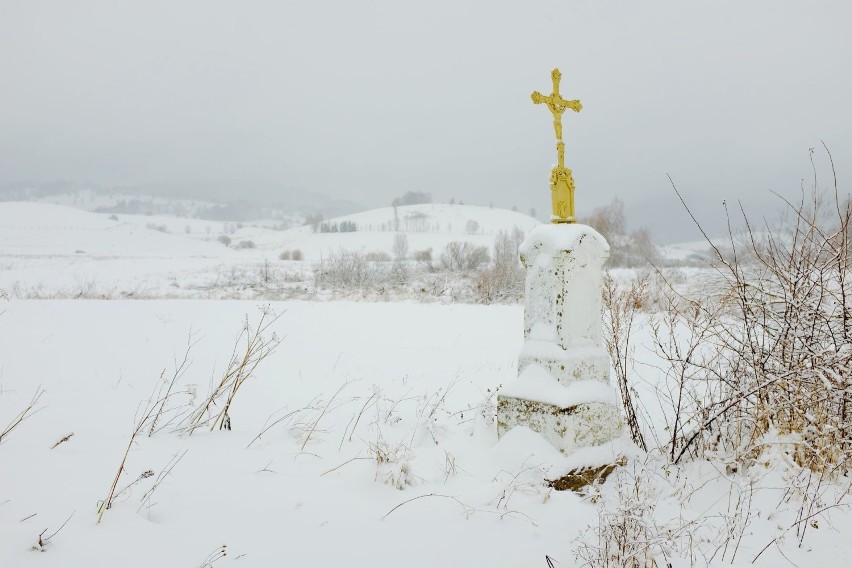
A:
[273,502]
[560,237]
[311,491]
[535,383]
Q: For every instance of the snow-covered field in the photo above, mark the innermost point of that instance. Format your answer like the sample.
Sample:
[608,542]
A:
[51,251]
[425,398]
[366,438]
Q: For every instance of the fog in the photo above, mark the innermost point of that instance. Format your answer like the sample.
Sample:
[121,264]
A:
[363,101]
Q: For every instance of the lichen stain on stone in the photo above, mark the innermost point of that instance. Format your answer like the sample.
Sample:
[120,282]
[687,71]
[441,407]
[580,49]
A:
[577,479]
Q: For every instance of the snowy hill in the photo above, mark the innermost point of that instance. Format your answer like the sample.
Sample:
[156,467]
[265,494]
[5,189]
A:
[55,251]
[40,229]
[427,226]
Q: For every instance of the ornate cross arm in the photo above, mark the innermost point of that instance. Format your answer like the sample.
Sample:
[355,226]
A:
[556,104]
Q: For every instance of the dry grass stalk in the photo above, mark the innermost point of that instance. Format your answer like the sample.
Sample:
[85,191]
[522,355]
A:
[242,364]
[144,416]
[43,541]
[23,415]
[215,556]
[270,423]
[167,389]
[62,440]
[142,476]
[310,429]
[164,473]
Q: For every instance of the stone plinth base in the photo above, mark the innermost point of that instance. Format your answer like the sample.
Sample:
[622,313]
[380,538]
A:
[567,428]
[566,366]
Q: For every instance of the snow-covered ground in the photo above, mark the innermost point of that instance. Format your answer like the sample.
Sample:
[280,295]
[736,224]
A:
[54,251]
[378,445]
[426,400]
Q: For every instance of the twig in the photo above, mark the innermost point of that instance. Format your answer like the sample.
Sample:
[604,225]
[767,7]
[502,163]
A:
[180,370]
[467,508]
[62,440]
[23,415]
[43,541]
[165,472]
[363,408]
[215,556]
[268,426]
[324,410]
[335,468]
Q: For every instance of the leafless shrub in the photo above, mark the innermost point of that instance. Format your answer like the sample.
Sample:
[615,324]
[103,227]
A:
[503,281]
[463,256]
[628,533]
[297,255]
[758,375]
[423,258]
[285,255]
[251,347]
[500,283]
[377,256]
[351,270]
[246,245]
[621,307]
[225,240]
[626,248]
[780,341]
[400,247]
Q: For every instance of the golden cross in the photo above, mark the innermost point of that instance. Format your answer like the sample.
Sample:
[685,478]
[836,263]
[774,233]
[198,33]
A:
[561,178]
[556,103]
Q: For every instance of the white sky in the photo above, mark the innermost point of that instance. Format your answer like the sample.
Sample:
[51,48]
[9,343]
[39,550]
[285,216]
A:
[366,100]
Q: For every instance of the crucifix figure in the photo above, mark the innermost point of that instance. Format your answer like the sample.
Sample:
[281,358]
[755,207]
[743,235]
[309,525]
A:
[561,179]
[556,103]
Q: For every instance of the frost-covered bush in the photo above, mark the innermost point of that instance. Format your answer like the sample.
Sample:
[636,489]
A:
[500,283]
[351,270]
[463,256]
[377,256]
[155,227]
[771,353]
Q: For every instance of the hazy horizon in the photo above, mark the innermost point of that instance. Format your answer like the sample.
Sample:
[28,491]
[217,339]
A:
[363,102]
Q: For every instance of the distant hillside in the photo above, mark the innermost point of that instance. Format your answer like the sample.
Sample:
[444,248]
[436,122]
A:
[214,201]
[426,226]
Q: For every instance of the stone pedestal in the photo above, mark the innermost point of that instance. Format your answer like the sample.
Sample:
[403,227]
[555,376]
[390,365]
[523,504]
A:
[563,390]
